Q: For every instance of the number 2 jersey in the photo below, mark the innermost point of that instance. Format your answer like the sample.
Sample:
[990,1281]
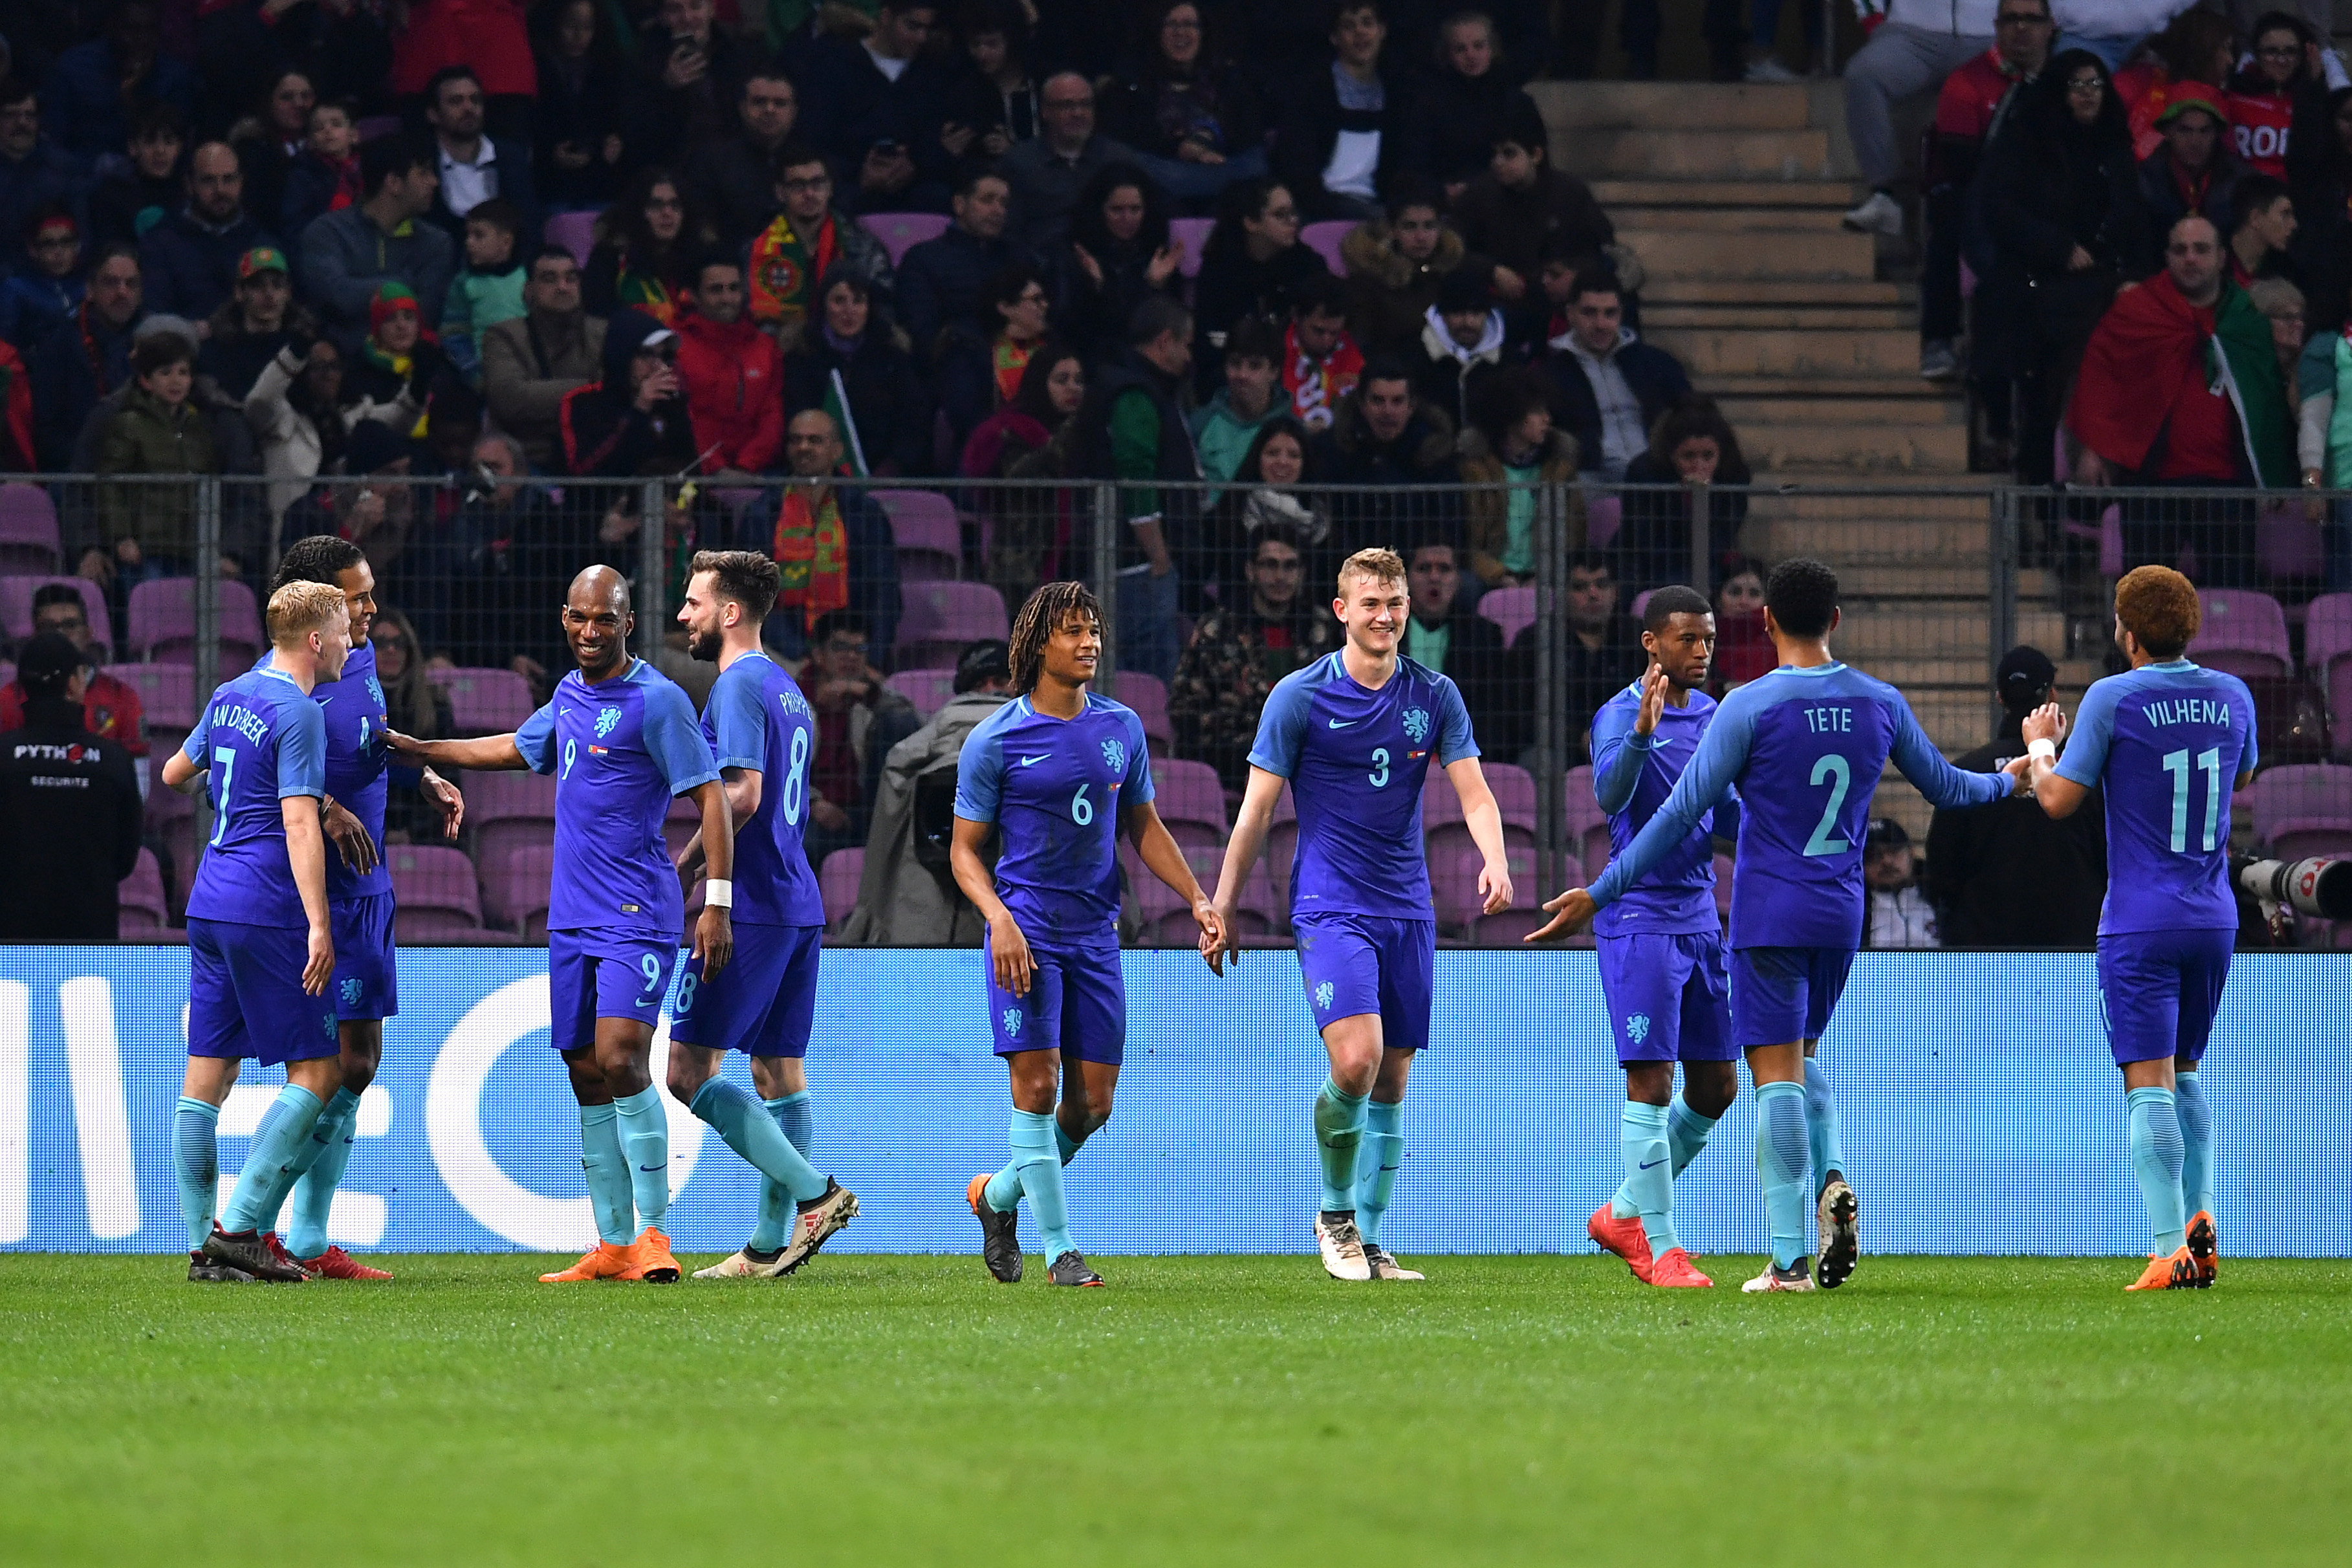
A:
[619,750]
[1055,787]
[2167,742]
[757,718]
[1805,748]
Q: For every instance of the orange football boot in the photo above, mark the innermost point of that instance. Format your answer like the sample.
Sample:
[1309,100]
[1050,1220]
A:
[1626,1237]
[649,1259]
[1674,1269]
[2205,1247]
[602,1261]
[2178,1272]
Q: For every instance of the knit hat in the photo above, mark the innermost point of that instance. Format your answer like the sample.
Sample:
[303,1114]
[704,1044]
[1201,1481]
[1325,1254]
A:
[390,298]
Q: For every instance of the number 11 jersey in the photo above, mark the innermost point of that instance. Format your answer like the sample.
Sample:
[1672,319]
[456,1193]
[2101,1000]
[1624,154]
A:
[1055,787]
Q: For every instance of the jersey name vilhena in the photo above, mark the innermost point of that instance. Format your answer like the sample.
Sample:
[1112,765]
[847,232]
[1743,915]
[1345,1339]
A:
[1055,787]
[262,741]
[757,718]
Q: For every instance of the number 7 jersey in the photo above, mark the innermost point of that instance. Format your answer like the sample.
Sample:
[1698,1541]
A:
[757,718]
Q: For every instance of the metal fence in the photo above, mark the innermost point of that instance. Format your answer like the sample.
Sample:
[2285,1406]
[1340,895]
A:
[1524,592]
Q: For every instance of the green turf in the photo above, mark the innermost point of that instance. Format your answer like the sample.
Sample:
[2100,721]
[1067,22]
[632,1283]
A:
[1536,1410]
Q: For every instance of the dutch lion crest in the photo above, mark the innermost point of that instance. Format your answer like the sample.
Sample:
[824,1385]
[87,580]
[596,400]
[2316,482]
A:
[1416,724]
[1637,1028]
[1323,996]
[1114,753]
[607,720]
[375,690]
[352,991]
[1012,1023]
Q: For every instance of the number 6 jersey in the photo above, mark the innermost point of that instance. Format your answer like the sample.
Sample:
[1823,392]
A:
[1055,787]
[758,719]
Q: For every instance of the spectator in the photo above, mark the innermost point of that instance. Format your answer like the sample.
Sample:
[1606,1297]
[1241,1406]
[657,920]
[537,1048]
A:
[1508,450]
[1268,490]
[1241,649]
[1028,438]
[686,86]
[996,99]
[886,397]
[2197,47]
[1919,44]
[576,124]
[111,710]
[1897,912]
[245,48]
[1603,647]
[348,255]
[86,358]
[19,447]
[489,290]
[1253,263]
[488,35]
[1509,213]
[511,553]
[1743,648]
[1119,253]
[411,698]
[69,811]
[189,258]
[378,518]
[1320,363]
[95,88]
[36,173]
[36,298]
[1611,386]
[2323,444]
[1133,431]
[905,895]
[529,365]
[2194,170]
[1339,140]
[1394,266]
[1392,447]
[1446,636]
[804,240]
[1225,428]
[2006,875]
[833,543]
[1450,131]
[294,409]
[1462,344]
[1190,113]
[733,179]
[327,177]
[2153,405]
[391,378]
[1691,443]
[1047,174]
[2280,304]
[646,245]
[858,720]
[2261,102]
[258,321]
[881,111]
[941,281]
[2265,229]
[2319,172]
[150,528]
[128,200]
[1973,100]
[631,422]
[734,377]
[976,377]
[474,167]
[269,144]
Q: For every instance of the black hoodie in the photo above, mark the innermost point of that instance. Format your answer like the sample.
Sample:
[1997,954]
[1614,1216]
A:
[605,435]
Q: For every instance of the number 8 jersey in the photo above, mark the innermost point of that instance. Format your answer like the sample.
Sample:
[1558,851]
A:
[1055,787]
[757,718]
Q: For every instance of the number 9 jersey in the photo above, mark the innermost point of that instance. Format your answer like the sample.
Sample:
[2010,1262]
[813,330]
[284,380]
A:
[1054,787]
[757,718]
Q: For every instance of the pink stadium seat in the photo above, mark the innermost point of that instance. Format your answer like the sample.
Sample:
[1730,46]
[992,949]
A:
[1584,823]
[2285,546]
[17,605]
[1440,806]
[485,701]
[1324,239]
[507,811]
[515,885]
[142,907]
[434,891]
[167,695]
[2244,633]
[162,623]
[902,232]
[1515,792]
[576,232]
[1605,516]
[938,620]
[28,529]
[1509,929]
[2300,837]
[927,689]
[2328,650]
[837,880]
[1192,234]
[1149,697]
[1454,864]
[929,534]
[2301,793]
[1512,609]
[1191,802]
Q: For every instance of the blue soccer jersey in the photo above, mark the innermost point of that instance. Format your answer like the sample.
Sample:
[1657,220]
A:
[619,750]
[1356,760]
[2167,744]
[1805,748]
[1055,787]
[263,741]
[758,719]
[1632,777]
[357,761]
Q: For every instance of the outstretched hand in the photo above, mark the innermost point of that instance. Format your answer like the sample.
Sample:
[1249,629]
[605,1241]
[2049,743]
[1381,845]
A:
[1653,700]
[2047,722]
[1569,912]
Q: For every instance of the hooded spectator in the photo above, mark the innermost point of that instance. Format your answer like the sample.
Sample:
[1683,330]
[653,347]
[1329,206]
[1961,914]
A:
[1119,251]
[1191,114]
[1394,266]
[349,253]
[732,374]
[528,366]
[886,397]
[632,421]
[1463,342]
[1512,458]
[646,245]
[1252,265]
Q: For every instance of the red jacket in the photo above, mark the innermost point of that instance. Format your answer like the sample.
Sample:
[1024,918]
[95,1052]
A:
[734,379]
[17,453]
[488,35]
[110,709]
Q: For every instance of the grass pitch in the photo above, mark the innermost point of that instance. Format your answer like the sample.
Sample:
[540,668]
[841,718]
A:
[1537,1410]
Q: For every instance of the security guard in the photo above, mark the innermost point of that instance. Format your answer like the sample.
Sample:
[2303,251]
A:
[69,811]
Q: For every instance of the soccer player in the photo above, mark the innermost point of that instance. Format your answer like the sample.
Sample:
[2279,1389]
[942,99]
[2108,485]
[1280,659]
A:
[621,741]
[1805,745]
[1661,947]
[1353,734]
[2168,741]
[1059,772]
[260,947]
[761,728]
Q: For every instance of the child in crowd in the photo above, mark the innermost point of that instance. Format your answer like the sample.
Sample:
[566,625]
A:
[152,529]
[1224,427]
[490,288]
[131,201]
[326,178]
[37,299]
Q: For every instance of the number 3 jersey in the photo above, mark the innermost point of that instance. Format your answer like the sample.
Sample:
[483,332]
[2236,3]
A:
[1356,760]
[2167,743]
[1805,747]
[1055,787]
[758,719]
[619,750]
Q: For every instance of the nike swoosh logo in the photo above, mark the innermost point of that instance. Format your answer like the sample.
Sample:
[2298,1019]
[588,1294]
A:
[1340,724]
[650,1169]
[1033,761]
[1647,1163]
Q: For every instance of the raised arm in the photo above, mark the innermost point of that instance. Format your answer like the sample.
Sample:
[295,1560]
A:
[483,754]
[1159,852]
[1619,749]
[1242,851]
[1916,759]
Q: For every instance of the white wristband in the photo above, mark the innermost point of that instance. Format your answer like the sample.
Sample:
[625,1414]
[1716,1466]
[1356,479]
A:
[718,893]
[2043,749]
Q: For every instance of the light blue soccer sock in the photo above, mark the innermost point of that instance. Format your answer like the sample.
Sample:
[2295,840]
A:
[281,1138]
[1382,1152]
[1339,1132]
[794,1119]
[645,1139]
[1065,1145]
[607,1168]
[1822,1124]
[1002,1193]
[2156,1155]
[314,1190]
[752,1133]
[1686,1133]
[2196,1143]
[1649,1171]
[1037,1159]
[1781,1154]
[195,1162]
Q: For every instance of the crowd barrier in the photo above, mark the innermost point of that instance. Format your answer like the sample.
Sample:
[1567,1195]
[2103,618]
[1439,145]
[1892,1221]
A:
[1980,1110]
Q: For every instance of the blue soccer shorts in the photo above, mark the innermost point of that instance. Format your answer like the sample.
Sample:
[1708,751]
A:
[245,997]
[2158,991]
[763,1003]
[594,974]
[1076,1003]
[1669,996]
[367,982]
[1354,964]
[1780,996]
